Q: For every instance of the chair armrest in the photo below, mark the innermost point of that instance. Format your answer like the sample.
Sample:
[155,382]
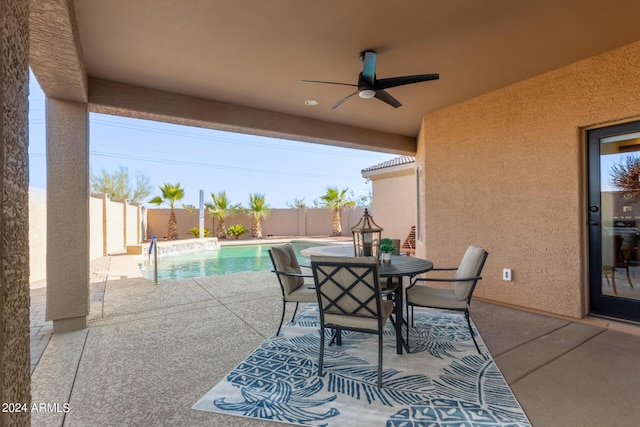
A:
[286,273]
[442,280]
[450,280]
[444,269]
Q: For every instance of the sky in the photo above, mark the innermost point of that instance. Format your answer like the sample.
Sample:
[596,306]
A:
[209,160]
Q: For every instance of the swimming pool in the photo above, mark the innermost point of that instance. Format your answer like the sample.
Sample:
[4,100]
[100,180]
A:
[219,261]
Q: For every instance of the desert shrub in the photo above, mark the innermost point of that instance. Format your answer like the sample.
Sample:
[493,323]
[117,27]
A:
[237,230]
[195,232]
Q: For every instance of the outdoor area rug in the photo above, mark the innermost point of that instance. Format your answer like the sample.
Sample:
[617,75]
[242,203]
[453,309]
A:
[442,382]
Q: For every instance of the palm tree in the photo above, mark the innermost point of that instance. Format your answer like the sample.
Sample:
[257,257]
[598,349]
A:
[221,208]
[170,195]
[257,209]
[336,199]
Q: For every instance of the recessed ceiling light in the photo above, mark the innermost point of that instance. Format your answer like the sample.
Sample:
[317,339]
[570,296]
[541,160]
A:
[310,102]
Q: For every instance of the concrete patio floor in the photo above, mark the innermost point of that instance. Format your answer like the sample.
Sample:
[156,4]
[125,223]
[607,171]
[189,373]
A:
[151,351]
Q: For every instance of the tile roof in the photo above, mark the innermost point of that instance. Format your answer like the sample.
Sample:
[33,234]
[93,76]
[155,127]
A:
[402,160]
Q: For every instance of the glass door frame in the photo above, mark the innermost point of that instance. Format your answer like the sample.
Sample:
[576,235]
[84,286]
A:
[599,303]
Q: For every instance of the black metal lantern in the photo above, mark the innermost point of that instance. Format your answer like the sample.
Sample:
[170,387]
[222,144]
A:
[366,236]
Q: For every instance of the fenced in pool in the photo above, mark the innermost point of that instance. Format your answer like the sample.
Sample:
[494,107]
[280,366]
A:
[215,261]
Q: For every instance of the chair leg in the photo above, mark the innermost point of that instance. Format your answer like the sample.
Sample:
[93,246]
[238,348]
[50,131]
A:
[295,310]
[413,325]
[284,309]
[407,340]
[320,360]
[336,336]
[380,359]
[473,336]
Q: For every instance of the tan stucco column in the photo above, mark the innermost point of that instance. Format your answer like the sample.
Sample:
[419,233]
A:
[67,214]
[14,218]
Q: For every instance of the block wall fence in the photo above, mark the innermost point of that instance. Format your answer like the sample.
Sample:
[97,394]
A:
[280,222]
[116,224]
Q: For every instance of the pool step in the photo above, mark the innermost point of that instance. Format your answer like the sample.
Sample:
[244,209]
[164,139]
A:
[173,246]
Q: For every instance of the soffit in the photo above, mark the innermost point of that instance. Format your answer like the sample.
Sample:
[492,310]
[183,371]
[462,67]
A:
[255,53]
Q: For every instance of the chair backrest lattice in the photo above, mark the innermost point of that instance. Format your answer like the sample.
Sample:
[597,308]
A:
[348,288]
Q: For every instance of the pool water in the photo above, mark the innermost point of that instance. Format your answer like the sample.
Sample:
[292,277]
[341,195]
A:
[219,261]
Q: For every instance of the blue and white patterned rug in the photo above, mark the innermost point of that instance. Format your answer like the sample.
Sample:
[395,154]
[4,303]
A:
[443,382]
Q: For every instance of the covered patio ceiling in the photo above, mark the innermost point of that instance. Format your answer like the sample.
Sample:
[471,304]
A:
[240,63]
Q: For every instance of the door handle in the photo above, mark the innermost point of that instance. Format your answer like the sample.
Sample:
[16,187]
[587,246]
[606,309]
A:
[594,222]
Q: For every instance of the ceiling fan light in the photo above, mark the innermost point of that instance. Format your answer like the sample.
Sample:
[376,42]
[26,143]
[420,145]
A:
[367,93]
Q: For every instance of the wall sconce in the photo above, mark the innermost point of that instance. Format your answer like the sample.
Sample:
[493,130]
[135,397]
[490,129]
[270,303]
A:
[366,237]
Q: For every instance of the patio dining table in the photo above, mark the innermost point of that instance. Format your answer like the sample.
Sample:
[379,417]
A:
[399,267]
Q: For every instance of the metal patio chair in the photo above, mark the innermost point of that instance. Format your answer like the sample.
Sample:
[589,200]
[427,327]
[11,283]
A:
[350,298]
[291,279]
[458,296]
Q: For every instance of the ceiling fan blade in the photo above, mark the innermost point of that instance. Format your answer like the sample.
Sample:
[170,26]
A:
[385,97]
[405,80]
[329,83]
[369,67]
[342,101]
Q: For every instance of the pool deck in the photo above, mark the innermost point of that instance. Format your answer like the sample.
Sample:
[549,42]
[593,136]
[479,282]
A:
[333,250]
[151,351]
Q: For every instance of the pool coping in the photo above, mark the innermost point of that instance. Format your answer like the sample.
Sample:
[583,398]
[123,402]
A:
[255,241]
[168,247]
[197,243]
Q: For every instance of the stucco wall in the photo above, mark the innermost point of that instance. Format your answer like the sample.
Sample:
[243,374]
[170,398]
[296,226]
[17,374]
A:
[394,202]
[158,220]
[114,224]
[111,226]
[132,224]
[318,222]
[37,234]
[96,227]
[14,220]
[115,227]
[507,171]
[281,222]
[67,302]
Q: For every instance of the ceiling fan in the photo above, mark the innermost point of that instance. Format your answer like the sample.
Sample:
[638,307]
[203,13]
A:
[370,87]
